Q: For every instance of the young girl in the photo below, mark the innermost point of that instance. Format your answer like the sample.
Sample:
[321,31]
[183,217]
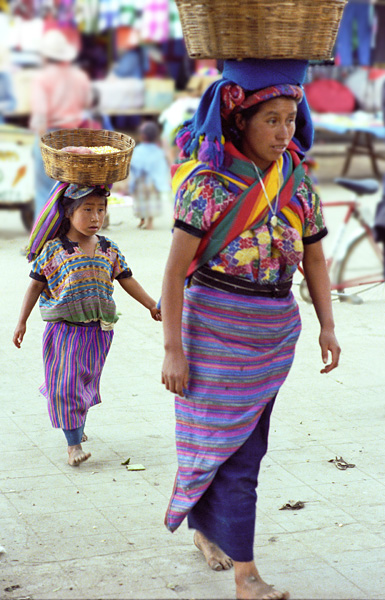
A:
[72,274]
[149,181]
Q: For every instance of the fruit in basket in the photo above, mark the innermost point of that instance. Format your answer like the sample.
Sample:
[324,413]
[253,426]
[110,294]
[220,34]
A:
[77,150]
[104,149]
[90,149]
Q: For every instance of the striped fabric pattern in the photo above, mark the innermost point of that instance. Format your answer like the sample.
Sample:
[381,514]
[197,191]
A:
[47,222]
[74,357]
[79,288]
[240,350]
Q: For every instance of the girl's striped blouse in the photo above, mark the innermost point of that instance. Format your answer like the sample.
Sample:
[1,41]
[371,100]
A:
[79,288]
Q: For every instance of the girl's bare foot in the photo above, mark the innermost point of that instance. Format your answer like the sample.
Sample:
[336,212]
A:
[76,455]
[215,557]
[250,586]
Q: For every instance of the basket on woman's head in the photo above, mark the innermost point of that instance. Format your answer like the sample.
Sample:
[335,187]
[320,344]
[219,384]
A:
[107,161]
[301,29]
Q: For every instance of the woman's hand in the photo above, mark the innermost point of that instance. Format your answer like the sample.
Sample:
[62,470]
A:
[175,372]
[329,343]
[19,334]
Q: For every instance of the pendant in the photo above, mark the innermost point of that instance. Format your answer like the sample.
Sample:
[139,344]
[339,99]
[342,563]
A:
[274,220]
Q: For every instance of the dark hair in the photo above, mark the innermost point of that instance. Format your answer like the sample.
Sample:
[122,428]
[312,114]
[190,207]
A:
[149,131]
[70,205]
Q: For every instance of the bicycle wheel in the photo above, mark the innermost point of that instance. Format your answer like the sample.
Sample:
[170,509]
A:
[361,268]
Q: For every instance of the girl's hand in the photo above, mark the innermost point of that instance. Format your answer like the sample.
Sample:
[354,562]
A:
[19,335]
[329,343]
[175,372]
[156,313]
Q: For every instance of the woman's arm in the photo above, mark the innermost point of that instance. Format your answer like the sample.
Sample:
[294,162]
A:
[318,283]
[32,294]
[182,252]
[135,290]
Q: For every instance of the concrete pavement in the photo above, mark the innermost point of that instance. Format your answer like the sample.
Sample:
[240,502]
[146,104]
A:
[96,532]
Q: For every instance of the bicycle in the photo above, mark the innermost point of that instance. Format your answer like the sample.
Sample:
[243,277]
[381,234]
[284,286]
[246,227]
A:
[355,264]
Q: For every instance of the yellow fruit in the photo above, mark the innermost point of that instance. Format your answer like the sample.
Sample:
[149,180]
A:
[103,149]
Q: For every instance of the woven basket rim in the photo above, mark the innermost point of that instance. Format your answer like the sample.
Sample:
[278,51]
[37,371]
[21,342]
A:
[58,132]
[208,36]
[89,169]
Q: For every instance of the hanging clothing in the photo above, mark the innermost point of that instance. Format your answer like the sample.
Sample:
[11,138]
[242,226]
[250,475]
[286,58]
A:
[358,12]
[155,24]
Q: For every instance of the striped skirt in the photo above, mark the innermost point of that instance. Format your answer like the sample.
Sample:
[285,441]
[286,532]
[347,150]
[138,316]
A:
[239,350]
[74,357]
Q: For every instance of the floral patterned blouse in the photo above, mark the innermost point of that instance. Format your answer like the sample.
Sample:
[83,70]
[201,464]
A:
[265,255]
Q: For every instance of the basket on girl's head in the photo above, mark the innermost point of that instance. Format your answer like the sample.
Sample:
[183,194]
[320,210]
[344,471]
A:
[112,164]
[301,29]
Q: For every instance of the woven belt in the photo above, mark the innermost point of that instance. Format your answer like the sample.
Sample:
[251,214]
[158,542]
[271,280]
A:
[236,285]
[89,324]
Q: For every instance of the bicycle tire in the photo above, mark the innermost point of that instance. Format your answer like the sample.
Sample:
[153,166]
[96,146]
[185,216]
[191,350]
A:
[361,268]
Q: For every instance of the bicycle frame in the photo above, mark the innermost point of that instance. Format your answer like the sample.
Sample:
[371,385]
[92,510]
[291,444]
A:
[341,248]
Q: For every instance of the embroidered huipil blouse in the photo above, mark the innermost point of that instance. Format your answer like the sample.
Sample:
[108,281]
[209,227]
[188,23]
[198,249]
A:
[79,288]
[265,255]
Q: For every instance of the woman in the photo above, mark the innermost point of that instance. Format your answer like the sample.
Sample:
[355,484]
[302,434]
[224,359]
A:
[245,216]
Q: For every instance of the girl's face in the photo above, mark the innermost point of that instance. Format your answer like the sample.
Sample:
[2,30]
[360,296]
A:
[267,134]
[88,218]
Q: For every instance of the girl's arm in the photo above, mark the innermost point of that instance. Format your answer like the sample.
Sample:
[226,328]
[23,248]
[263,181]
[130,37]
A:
[175,368]
[318,283]
[32,294]
[135,290]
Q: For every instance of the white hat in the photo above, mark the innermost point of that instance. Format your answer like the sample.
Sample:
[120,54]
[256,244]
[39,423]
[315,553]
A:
[55,45]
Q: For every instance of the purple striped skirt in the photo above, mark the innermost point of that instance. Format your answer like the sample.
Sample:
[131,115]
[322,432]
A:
[74,357]
[239,350]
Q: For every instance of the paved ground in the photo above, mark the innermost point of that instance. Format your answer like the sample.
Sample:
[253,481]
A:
[96,531]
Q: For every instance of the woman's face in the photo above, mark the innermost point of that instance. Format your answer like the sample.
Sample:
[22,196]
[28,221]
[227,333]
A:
[265,137]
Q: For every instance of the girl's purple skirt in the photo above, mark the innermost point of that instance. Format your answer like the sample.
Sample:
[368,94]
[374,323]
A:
[74,356]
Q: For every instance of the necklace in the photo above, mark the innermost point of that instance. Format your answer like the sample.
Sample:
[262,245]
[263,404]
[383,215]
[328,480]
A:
[274,218]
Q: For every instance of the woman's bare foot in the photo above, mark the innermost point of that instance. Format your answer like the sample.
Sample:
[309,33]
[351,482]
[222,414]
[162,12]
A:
[76,455]
[215,557]
[250,585]
[141,223]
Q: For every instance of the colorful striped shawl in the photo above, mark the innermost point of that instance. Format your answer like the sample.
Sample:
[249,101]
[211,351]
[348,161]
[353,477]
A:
[250,208]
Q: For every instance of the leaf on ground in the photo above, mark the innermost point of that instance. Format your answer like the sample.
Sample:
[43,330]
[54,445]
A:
[136,468]
[126,462]
[11,588]
[291,505]
[341,464]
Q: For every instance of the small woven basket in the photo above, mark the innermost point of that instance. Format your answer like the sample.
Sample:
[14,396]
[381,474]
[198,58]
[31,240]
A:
[86,169]
[226,29]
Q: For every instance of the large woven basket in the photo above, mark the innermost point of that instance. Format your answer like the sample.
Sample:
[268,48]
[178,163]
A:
[225,29]
[86,169]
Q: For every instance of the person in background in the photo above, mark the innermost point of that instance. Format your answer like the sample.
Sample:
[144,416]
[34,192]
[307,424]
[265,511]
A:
[7,98]
[60,94]
[245,215]
[149,181]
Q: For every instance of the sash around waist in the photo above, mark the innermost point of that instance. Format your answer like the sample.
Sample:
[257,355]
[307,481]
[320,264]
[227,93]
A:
[236,285]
